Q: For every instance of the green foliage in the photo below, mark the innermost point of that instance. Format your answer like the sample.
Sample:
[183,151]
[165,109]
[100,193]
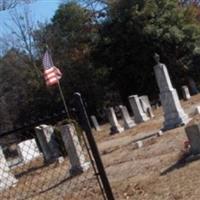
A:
[71,36]
[18,83]
[102,57]
[134,30]
[23,95]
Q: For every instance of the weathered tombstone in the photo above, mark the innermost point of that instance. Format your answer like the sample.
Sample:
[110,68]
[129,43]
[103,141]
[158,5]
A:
[193,133]
[115,126]
[12,155]
[146,106]
[7,179]
[29,150]
[150,113]
[51,139]
[159,133]
[47,142]
[144,100]
[193,87]
[128,122]
[139,144]
[139,114]
[74,150]
[197,110]
[95,123]
[173,113]
[186,93]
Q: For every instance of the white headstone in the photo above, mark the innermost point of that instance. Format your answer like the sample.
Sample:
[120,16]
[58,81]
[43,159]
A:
[115,126]
[29,150]
[186,93]
[173,113]
[95,123]
[139,144]
[159,133]
[45,135]
[74,150]
[197,110]
[128,122]
[193,133]
[146,106]
[150,113]
[139,114]
[7,179]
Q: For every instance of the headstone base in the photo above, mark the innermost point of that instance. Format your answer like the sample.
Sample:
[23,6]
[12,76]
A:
[173,112]
[197,110]
[116,129]
[98,129]
[176,123]
[150,113]
[143,119]
[75,170]
[129,125]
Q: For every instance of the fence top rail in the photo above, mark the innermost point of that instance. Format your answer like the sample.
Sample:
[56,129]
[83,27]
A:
[28,126]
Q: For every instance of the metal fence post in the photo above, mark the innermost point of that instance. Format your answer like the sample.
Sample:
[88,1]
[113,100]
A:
[85,124]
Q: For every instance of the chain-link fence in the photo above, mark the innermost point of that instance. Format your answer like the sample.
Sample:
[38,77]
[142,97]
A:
[44,163]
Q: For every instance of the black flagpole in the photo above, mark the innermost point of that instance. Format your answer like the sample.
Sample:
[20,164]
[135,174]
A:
[60,90]
[63,99]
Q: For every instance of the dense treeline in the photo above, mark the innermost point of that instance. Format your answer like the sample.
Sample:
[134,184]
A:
[105,55]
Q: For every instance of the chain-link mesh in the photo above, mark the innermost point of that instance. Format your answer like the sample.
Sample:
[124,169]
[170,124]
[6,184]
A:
[27,173]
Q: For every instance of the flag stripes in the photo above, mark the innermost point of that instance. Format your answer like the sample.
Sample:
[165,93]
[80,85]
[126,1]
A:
[52,76]
[51,73]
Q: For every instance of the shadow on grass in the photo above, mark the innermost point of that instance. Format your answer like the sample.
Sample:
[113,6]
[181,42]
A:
[68,178]
[57,184]
[28,168]
[182,162]
[28,171]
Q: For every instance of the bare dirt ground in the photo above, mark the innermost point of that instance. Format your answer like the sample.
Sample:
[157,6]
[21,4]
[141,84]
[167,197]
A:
[147,173]
[150,173]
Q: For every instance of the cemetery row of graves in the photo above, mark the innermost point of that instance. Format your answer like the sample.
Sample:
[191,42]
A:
[56,161]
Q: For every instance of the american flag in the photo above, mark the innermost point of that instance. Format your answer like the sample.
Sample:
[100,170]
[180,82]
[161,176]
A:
[51,73]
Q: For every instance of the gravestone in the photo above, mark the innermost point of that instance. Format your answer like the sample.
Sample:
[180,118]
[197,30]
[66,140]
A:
[159,133]
[139,114]
[128,122]
[115,126]
[197,110]
[150,113]
[174,115]
[146,106]
[29,150]
[7,179]
[193,133]
[139,144]
[186,93]
[13,155]
[95,123]
[46,139]
[74,150]
[193,87]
